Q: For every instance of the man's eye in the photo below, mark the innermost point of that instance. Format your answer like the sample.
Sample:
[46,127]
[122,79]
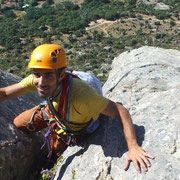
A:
[36,74]
[48,76]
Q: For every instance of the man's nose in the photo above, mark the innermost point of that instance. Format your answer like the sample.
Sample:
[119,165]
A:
[42,81]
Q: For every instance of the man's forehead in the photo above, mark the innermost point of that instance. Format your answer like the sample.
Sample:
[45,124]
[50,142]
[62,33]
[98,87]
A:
[44,71]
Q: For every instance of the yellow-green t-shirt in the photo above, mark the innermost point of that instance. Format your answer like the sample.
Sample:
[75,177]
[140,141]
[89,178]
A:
[85,103]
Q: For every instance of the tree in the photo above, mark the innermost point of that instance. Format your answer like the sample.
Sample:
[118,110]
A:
[79,33]
[133,42]
[33,13]
[70,6]
[34,3]
[9,14]
[72,39]
[172,23]
[158,36]
[157,23]
[110,15]
[162,14]
[50,2]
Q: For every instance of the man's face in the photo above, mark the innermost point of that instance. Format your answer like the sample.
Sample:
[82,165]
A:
[45,81]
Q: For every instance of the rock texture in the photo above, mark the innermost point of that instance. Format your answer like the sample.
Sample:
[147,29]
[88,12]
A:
[147,82]
[160,6]
[18,151]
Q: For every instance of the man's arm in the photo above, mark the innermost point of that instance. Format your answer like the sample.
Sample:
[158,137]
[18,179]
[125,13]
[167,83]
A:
[11,92]
[136,153]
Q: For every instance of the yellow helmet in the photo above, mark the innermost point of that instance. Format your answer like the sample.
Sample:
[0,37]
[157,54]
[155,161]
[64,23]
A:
[48,56]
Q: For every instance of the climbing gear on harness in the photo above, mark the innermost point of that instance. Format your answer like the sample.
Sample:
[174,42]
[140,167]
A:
[48,56]
[30,125]
[47,140]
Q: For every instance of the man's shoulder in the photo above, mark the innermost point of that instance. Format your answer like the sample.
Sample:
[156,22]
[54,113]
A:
[81,90]
[27,83]
[79,84]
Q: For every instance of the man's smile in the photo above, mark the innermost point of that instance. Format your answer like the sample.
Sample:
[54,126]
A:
[42,89]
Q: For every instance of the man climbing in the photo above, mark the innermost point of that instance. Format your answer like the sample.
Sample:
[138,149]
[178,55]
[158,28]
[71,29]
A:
[71,108]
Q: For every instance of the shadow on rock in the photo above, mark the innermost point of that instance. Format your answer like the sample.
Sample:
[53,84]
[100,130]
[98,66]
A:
[110,134]
[110,137]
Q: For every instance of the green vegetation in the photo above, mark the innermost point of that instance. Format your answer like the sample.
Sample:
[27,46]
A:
[129,25]
[73,174]
[46,175]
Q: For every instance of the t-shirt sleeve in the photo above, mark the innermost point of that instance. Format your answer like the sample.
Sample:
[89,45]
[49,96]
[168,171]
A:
[27,84]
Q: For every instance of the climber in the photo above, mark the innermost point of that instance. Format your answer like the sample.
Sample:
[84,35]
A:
[71,107]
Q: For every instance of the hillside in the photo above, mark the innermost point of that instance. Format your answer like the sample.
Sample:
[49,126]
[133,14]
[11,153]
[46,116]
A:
[92,32]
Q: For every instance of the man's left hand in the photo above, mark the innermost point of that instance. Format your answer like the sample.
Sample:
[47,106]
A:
[139,158]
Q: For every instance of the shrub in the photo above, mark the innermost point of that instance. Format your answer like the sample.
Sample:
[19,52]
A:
[139,17]
[9,14]
[158,36]
[162,14]
[157,23]
[133,42]
[172,23]
[70,5]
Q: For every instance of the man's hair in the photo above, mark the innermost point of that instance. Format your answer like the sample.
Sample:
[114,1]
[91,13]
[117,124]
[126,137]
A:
[60,70]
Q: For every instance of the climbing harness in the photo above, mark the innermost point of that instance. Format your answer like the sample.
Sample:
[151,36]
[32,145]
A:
[61,121]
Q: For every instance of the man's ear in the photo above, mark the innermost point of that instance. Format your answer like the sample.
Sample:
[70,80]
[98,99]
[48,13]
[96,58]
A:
[61,76]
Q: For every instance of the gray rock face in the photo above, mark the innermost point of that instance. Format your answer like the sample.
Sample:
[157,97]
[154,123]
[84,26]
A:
[156,4]
[148,2]
[18,151]
[147,82]
[162,6]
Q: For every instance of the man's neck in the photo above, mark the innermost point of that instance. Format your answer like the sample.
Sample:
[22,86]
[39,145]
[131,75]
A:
[57,91]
